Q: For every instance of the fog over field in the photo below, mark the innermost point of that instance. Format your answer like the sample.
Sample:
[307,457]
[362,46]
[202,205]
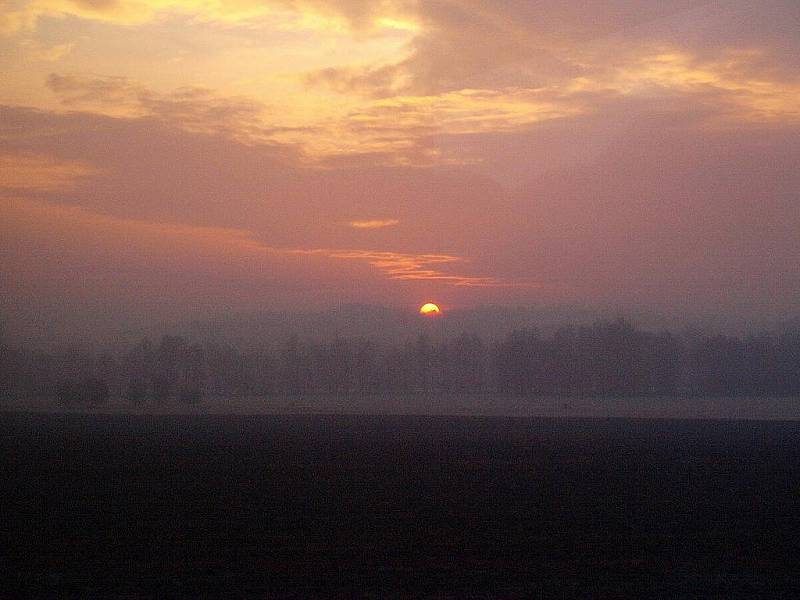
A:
[382,324]
[371,360]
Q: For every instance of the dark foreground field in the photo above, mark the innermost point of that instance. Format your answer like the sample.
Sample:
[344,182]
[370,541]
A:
[281,506]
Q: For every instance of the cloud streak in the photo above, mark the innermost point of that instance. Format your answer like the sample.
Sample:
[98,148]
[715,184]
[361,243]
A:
[195,109]
[373,224]
[410,267]
[394,266]
[359,15]
[402,129]
[35,172]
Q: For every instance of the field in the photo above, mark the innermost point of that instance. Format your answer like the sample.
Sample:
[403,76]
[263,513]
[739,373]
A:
[373,506]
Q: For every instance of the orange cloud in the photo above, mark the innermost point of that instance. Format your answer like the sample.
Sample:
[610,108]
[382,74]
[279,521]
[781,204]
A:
[289,14]
[195,109]
[375,117]
[411,267]
[389,126]
[373,224]
[216,244]
[743,95]
[41,173]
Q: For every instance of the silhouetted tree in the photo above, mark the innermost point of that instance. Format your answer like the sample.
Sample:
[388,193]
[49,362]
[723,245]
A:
[662,365]
[788,363]
[365,360]
[95,391]
[136,390]
[465,369]
[515,361]
[295,374]
[69,393]
[719,364]
[604,359]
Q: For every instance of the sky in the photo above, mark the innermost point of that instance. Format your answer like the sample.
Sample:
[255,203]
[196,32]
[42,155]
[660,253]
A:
[162,159]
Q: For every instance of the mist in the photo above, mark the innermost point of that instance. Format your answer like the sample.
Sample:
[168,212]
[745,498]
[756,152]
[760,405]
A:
[372,360]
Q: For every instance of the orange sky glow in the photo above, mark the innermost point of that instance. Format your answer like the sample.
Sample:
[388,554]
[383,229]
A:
[295,154]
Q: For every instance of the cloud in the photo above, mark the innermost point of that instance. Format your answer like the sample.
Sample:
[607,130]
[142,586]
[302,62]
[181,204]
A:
[215,244]
[358,15]
[46,53]
[149,169]
[111,230]
[471,69]
[476,68]
[36,172]
[373,224]
[472,44]
[394,128]
[411,267]
[729,80]
[192,108]
[376,81]
[401,130]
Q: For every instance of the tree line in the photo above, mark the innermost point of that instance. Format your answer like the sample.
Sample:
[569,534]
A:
[605,359]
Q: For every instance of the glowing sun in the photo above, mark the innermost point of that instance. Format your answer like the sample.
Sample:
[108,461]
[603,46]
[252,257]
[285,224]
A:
[429,309]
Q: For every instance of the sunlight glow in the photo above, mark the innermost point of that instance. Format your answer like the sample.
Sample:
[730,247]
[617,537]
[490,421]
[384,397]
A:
[429,309]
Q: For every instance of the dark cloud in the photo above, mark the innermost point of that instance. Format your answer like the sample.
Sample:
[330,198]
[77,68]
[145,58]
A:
[150,169]
[381,81]
[475,44]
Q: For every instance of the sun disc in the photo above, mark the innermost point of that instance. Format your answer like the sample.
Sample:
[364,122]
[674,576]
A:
[429,309]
